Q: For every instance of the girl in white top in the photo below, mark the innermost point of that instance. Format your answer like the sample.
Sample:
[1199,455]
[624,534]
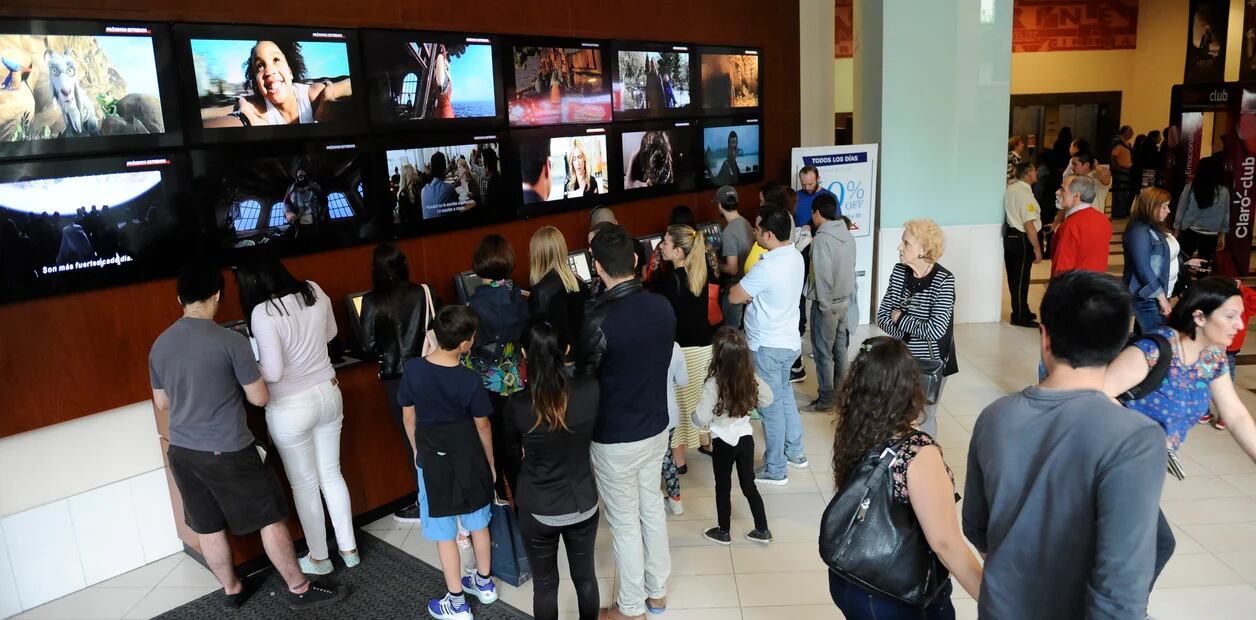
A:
[731,392]
[292,322]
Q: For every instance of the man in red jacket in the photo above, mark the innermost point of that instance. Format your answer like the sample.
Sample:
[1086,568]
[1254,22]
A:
[1082,239]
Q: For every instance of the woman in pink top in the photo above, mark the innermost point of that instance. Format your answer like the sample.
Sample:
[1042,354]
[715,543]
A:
[292,322]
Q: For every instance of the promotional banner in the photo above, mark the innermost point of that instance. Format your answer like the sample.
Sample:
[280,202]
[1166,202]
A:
[1074,25]
[1192,141]
[850,172]
[1247,55]
[1205,41]
[1238,244]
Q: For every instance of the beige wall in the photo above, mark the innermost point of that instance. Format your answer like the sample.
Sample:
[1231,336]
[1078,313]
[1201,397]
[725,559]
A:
[843,81]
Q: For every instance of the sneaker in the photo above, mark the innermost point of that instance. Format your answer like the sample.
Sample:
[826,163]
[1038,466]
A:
[796,375]
[483,590]
[705,450]
[762,537]
[683,469]
[656,606]
[409,514]
[821,406]
[1219,424]
[801,463]
[1205,419]
[318,595]
[446,608]
[310,566]
[674,505]
[763,478]
[352,559]
[718,536]
[232,602]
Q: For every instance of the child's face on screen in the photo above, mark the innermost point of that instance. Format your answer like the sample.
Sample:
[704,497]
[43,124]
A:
[272,76]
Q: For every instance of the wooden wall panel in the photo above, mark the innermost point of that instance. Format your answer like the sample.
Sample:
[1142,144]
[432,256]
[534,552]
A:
[71,356]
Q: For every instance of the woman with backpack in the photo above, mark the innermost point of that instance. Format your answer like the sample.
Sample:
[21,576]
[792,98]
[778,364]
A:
[914,509]
[1199,329]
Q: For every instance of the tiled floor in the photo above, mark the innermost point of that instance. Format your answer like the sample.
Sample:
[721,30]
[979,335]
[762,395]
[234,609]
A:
[1213,513]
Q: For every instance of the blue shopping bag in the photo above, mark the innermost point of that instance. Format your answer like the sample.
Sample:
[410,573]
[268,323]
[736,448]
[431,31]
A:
[510,559]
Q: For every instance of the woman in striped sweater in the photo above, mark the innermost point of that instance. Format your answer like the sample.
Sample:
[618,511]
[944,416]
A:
[919,306]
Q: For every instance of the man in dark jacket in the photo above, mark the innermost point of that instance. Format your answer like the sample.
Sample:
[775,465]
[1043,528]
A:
[627,344]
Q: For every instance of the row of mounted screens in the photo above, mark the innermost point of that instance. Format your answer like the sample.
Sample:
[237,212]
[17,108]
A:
[82,86]
[76,223]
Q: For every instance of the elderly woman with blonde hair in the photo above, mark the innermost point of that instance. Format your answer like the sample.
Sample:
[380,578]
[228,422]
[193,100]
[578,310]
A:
[919,305]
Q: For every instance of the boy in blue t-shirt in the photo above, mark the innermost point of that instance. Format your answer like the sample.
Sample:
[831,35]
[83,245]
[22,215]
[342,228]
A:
[449,407]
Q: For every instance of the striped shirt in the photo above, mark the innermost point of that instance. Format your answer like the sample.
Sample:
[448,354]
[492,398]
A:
[927,323]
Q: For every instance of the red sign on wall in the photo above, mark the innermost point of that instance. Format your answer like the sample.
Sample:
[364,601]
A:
[844,29]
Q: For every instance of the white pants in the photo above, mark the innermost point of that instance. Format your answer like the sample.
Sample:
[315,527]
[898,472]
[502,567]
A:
[628,481]
[306,429]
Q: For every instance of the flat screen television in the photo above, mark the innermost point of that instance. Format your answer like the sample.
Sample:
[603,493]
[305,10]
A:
[659,157]
[557,82]
[581,263]
[75,224]
[444,182]
[424,79]
[730,79]
[731,152]
[651,80]
[288,198]
[84,86]
[562,168]
[268,82]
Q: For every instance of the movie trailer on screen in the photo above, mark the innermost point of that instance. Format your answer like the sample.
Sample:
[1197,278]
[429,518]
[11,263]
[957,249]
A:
[554,85]
[430,77]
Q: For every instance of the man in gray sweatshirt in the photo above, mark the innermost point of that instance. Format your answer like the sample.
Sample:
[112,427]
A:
[830,290]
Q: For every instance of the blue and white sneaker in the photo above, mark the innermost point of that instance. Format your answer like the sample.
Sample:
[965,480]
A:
[483,589]
[447,608]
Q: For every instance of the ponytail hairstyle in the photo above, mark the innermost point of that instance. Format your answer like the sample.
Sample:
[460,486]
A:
[547,380]
[688,241]
[736,388]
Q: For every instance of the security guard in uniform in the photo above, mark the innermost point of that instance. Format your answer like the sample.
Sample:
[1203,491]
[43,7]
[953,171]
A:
[1021,248]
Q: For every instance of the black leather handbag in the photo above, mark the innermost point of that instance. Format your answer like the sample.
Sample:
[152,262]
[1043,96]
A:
[931,374]
[875,542]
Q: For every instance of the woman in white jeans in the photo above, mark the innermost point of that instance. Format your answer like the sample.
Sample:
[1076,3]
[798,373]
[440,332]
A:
[292,322]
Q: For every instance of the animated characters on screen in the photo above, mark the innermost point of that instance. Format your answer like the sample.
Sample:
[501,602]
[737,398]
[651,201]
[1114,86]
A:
[649,160]
[75,86]
[271,82]
[652,81]
[559,85]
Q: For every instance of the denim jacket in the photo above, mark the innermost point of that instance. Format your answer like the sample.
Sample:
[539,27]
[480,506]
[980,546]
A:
[1146,272]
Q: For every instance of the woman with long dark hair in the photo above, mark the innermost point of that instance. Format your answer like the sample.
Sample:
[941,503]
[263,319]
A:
[394,321]
[1152,259]
[292,322]
[552,421]
[1203,212]
[877,407]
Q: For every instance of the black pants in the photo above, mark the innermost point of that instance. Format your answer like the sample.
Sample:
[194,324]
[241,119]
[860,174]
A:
[1198,244]
[506,456]
[541,543]
[723,458]
[1018,259]
[1165,544]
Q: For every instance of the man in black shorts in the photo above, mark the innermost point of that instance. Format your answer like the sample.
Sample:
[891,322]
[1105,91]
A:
[197,369]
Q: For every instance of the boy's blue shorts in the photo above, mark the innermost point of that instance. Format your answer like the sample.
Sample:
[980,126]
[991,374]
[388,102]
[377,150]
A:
[446,528]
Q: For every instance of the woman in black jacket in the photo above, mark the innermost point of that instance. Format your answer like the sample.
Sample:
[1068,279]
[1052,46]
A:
[552,420]
[557,293]
[394,321]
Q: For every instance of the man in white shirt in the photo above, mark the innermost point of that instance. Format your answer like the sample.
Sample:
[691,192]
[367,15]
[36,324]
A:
[1021,249]
[772,289]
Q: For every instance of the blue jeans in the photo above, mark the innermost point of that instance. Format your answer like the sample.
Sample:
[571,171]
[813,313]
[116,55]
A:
[857,604]
[782,426]
[1146,315]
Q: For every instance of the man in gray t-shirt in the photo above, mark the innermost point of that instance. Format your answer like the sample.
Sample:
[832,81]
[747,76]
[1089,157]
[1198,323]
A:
[736,240]
[1063,484]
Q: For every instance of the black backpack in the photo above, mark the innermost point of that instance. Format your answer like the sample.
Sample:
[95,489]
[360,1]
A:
[1156,375]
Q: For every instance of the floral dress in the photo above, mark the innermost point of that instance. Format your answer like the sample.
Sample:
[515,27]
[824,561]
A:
[907,449]
[1184,395]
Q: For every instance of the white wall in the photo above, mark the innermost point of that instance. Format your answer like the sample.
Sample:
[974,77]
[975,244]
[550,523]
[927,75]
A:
[81,502]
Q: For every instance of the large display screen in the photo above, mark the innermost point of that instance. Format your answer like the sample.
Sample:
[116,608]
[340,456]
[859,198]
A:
[659,158]
[75,224]
[651,83]
[258,82]
[563,167]
[730,80]
[80,86]
[300,199]
[449,180]
[554,85]
[731,153]
[430,77]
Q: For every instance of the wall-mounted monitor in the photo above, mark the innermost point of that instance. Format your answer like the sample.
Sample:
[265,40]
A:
[651,80]
[731,152]
[562,168]
[269,82]
[558,82]
[285,199]
[431,79]
[730,79]
[658,157]
[84,86]
[75,224]
[444,182]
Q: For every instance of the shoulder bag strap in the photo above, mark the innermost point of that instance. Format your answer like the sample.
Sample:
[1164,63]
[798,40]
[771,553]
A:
[427,299]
